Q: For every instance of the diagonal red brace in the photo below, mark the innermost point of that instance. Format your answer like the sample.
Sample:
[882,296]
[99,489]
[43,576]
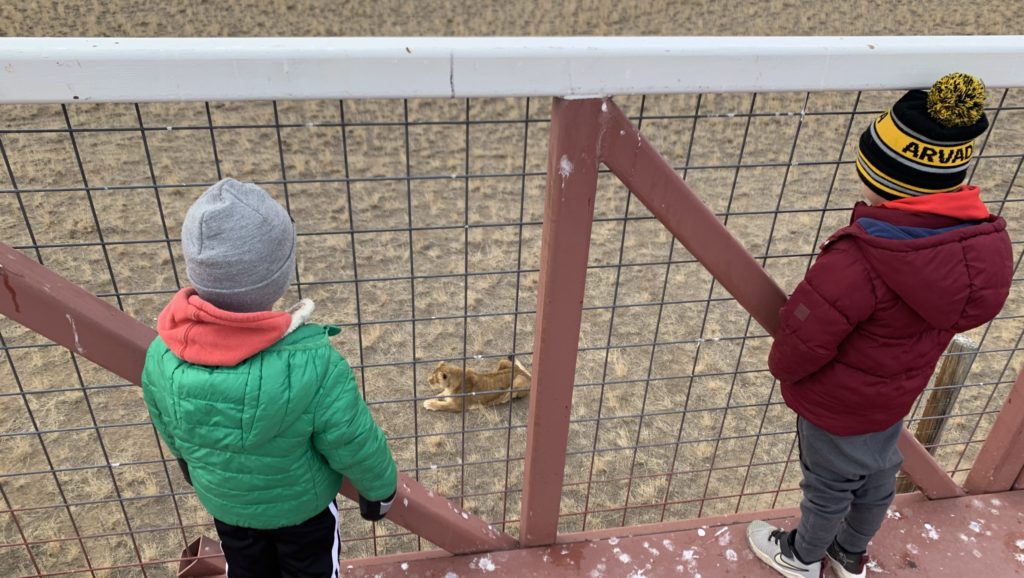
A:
[660,188]
[1000,463]
[52,306]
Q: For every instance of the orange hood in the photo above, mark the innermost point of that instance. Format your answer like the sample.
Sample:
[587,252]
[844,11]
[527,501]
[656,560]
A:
[200,333]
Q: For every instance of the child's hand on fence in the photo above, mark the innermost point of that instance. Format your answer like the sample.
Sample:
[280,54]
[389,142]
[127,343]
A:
[373,510]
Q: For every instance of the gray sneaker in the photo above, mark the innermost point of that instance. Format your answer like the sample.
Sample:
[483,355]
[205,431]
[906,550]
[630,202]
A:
[774,547]
[846,564]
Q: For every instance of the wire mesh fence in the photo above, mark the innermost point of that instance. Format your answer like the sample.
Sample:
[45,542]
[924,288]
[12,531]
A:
[419,231]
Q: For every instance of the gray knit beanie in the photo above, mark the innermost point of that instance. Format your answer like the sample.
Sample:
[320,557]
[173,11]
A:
[239,246]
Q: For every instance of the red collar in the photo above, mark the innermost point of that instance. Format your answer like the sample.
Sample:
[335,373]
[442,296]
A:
[964,204]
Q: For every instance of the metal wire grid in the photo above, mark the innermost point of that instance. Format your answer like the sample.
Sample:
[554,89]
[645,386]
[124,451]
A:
[602,497]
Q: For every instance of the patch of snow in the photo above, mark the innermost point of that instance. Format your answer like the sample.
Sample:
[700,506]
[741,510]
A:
[1019,544]
[451,575]
[701,532]
[724,539]
[730,555]
[893,515]
[668,545]
[874,567]
[405,566]
[565,167]
[976,553]
[975,527]
[624,558]
[1019,557]
[930,532]
[486,564]
[613,540]
[464,515]
[913,549]
[996,502]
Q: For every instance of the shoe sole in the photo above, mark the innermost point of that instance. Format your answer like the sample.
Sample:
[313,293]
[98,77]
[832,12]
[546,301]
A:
[771,563]
[841,572]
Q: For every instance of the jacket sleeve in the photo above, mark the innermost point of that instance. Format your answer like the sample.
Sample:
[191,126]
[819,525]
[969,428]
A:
[836,294]
[345,433]
[151,396]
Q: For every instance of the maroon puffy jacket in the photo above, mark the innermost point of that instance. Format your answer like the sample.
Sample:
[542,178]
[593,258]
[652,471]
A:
[861,334]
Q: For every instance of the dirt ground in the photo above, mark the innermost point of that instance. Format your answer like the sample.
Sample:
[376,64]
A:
[386,194]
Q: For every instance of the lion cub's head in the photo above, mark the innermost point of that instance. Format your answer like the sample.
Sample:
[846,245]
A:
[447,377]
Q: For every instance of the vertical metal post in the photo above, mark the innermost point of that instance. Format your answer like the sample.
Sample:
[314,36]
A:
[565,244]
[1000,462]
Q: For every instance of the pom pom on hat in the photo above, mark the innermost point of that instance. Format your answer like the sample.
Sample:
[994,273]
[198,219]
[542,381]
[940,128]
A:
[924,143]
[957,99]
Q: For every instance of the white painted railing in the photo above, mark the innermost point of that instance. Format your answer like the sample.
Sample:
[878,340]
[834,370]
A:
[42,70]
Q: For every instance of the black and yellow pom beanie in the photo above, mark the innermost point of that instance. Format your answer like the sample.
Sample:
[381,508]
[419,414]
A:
[923,144]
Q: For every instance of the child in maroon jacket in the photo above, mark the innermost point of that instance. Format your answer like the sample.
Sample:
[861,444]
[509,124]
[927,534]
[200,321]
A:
[861,334]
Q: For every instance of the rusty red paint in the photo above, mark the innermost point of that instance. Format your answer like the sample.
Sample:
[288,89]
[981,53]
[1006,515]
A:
[926,473]
[1000,463]
[921,538]
[426,514]
[202,558]
[565,243]
[660,188]
[10,289]
[71,316]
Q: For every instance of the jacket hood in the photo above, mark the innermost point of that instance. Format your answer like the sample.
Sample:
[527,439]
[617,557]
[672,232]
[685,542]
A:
[198,332]
[954,273]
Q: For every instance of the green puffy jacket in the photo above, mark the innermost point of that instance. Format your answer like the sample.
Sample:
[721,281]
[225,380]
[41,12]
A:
[268,440]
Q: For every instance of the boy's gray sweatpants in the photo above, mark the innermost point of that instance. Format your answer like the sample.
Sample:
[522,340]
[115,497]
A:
[849,482]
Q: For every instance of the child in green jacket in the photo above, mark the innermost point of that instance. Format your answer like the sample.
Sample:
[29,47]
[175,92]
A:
[263,414]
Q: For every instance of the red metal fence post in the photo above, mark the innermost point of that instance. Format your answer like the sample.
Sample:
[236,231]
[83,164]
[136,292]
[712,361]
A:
[1000,463]
[54,307]
[565,243]
[641,168]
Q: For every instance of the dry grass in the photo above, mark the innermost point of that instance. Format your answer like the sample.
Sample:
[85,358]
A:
[628,394]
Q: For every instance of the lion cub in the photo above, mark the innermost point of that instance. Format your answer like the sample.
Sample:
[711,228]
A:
[480,389]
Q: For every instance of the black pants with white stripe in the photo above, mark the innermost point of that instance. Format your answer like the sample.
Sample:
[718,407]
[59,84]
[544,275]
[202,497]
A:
[307,550]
